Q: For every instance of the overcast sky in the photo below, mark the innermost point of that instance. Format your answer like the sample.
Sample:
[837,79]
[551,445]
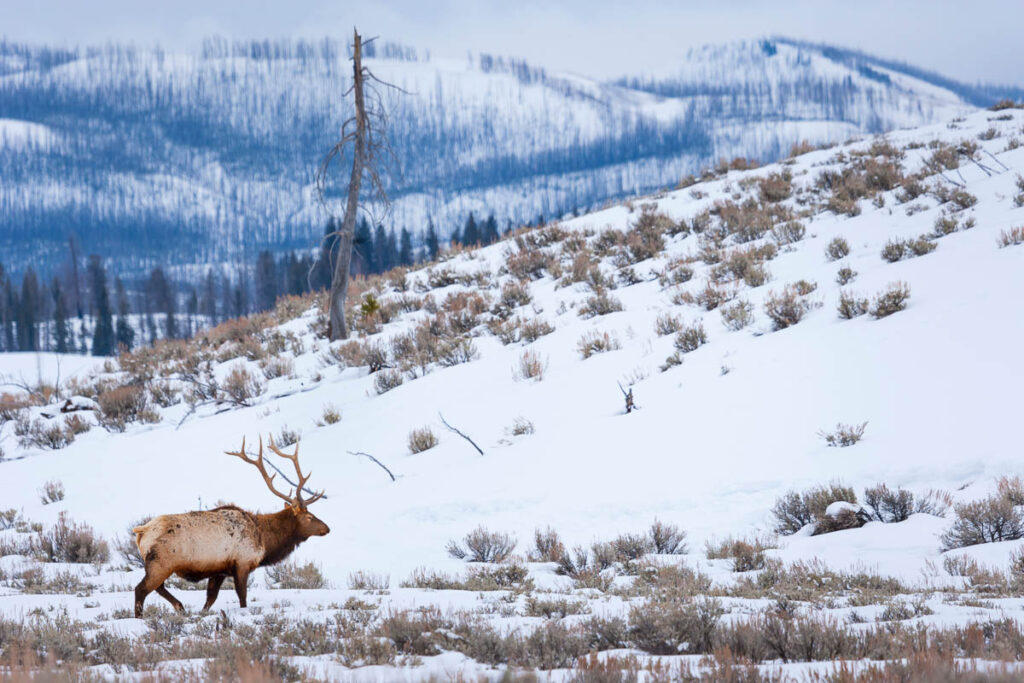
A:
[972,40]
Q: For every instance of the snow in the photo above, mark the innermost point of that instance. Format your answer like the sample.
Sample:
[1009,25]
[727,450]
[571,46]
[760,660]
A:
[715,442]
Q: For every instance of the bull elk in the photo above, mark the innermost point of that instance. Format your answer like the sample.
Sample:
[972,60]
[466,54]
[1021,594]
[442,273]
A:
[226,541]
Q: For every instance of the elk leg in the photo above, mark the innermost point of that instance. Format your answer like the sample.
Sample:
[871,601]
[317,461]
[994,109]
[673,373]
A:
[166,595]
[212,589]
[150,582]
[241,577]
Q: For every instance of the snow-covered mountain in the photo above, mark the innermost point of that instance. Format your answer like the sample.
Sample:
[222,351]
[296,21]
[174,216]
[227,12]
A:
[154,157]
[875,283]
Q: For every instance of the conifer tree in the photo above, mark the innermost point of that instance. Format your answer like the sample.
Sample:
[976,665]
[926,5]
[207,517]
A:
[124,334]
[490,231]
[28,309]
[103,334]
[471,233]
[60,319]
[431,242]
[266,281]
[405,256]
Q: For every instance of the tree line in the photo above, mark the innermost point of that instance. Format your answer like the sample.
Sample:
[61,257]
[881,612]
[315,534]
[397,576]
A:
[81,310]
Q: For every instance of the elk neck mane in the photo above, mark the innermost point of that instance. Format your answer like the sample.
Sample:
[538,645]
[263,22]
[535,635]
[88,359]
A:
[279,532]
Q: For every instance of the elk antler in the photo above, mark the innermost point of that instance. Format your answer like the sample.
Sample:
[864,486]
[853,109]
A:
[294,457]
[268,478]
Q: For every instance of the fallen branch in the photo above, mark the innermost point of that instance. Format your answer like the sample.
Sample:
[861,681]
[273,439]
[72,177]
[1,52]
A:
[453,429]
[367,455]
[628,395]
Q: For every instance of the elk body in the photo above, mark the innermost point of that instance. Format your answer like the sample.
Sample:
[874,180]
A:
[226,541]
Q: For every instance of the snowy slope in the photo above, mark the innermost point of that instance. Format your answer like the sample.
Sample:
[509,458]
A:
[717,439]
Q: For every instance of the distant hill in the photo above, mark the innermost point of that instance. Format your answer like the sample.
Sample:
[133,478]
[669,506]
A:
[179,159]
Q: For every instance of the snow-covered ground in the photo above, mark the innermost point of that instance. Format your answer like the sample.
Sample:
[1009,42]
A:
[715,442]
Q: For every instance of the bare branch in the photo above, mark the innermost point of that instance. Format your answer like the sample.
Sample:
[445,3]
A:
[456,431]
[367,455]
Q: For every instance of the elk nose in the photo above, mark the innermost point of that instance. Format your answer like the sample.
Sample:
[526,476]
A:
[327,530]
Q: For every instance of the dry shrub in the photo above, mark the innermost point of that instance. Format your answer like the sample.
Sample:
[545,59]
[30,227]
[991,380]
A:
[1011,237]
[1018,200]
[520,427]
[786,308]
[794,510]
[331,415]
[845,275]
[1011,488]
[601,303]
[42,434]
[530,366]
[122,405]
[667,539]
[421,439]
[838,248]
[547,546]
[747,554]
[892,506]
[898,249]
[776,187]
[891,300]
[666,323]
[277,366]
[529,263]
[242,387]
[69,541]
[690,337]
[513,295]
[51,492]
[673,628]
[850,306]
[386,380]
[711,297]
[482,545]
[597,342]
[738,315]
[292,575]
[645,240]
[985,521]
[843,435]
[366,581]
[788,233]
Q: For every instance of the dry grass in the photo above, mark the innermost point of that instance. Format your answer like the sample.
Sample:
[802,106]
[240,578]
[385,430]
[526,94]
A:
[844,435]
[530,366]
[891,300]
[421,439]
[482,545]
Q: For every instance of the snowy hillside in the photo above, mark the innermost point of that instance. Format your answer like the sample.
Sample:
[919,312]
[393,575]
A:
[717,305]
[207,157]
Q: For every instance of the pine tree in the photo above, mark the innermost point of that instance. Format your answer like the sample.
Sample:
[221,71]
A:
[208,300]
[4,312]
[362,249]
[28,309]
[163,300]
[193,311]
[103,334]
[381,257]
[266,281]
[490,232]
[471,233]
[61,335]
[124,335]
[10,315]
[405,257]
[431,241]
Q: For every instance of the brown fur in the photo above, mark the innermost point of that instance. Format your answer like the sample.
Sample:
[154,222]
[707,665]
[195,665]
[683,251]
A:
[215,544]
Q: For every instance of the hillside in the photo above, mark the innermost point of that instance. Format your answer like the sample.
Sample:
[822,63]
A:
[210,157]
[728,420]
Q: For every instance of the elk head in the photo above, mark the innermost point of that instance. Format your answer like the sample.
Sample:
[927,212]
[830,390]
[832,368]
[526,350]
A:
[307,524]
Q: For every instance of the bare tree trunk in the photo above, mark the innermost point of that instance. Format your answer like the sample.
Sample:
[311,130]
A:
[338,329]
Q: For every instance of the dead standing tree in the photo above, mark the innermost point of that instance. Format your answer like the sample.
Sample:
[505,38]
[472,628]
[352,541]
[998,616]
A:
[364,133]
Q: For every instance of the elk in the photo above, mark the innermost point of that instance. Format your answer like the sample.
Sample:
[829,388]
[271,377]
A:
[226,541]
